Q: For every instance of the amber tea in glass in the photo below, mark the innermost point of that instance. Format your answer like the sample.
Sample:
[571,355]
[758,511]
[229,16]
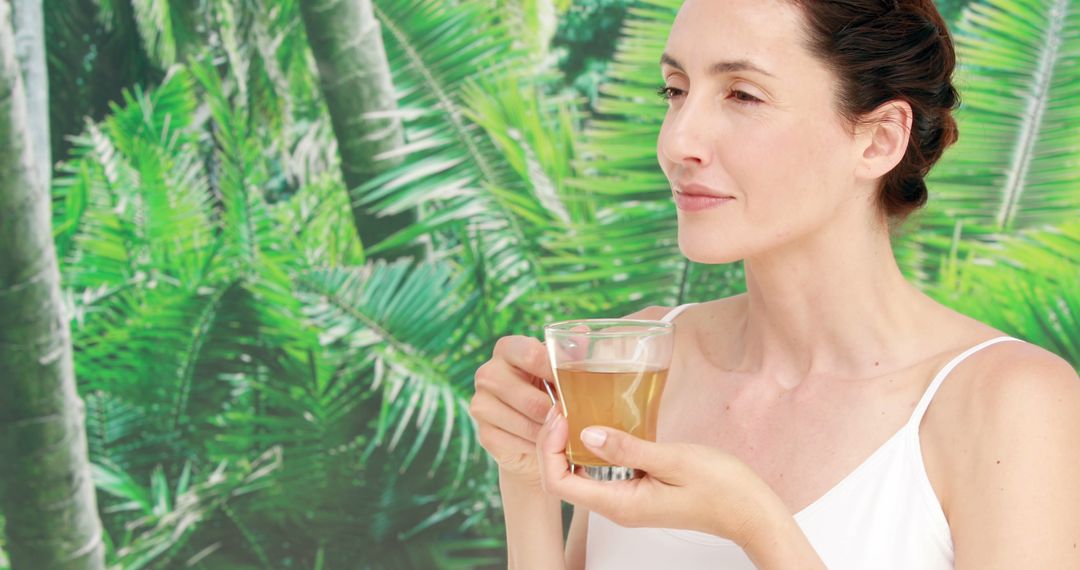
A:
[609,372]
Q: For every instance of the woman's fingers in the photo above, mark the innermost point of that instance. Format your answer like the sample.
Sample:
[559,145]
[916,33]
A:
[551,452]
[488,408]
[525,354]
[508,385]
[551,449]
[510,402]
[508,443]
[613,499]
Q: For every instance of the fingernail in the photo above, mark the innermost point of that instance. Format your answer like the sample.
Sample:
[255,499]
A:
[593,437]
[551,414]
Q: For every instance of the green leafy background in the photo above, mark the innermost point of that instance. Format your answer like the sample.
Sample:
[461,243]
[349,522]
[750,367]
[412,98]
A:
[261,393]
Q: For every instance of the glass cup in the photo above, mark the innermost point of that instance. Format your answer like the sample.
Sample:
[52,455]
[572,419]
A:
[609,372]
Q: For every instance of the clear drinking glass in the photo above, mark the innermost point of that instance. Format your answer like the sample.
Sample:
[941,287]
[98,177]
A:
[609,372]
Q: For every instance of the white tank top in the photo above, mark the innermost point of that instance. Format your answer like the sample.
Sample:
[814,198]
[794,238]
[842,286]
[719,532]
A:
[883,515]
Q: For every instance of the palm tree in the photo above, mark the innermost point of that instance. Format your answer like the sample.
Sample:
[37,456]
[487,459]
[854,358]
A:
[346,39]
[46,492]
[214,326]
[29,24]
[190,276]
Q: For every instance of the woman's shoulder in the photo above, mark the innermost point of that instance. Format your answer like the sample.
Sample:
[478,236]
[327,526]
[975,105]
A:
[1006,392]
[992,383]
[1001,369]
[1017,378]
[650,313]
[1007,440]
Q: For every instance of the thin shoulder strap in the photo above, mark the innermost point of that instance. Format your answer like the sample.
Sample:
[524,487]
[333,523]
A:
[924,403]
[675,312]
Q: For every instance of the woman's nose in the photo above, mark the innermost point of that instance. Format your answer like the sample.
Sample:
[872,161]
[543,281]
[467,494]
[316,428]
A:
[685,137]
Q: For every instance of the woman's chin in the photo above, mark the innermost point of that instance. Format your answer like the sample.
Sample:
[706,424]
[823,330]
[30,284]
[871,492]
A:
[728,243]
[710,254]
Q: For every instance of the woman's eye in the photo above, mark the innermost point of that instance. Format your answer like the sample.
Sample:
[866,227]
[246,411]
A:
[667,93]
[744,97]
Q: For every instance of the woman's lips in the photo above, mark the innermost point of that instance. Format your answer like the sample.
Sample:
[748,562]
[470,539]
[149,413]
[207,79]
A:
[697,202]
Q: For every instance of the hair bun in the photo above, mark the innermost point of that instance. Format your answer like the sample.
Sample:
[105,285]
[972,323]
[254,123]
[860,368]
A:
[888,51]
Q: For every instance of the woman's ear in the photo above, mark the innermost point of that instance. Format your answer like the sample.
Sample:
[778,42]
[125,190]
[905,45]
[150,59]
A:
[882,139]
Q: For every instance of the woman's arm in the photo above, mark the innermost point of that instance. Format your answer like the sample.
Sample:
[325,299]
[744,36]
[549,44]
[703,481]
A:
[577,539]
[778,543]
[1014,496]
[534,531]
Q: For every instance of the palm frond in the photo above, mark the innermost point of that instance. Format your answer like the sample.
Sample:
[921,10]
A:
[95,242]
[155,24]
[454,170]
[248,234]
[532,22]
[272,74]
[125,434]
[1017,163]
[411,322]
[162,534]
[133,200]
[94,53]
[324,405]
[322,227]
[1024,285]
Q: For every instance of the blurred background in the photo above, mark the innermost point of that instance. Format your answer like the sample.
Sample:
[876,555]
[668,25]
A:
[289,231]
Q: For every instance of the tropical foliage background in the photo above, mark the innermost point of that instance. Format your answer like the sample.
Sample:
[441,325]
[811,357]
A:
[265,390]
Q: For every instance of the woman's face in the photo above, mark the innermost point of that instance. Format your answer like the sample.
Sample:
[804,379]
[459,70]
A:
[751,117]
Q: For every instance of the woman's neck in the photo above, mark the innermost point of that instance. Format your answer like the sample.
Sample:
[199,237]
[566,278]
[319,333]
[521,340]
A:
[829,306]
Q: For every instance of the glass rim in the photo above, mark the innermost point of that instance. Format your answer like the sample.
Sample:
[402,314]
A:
[652,327]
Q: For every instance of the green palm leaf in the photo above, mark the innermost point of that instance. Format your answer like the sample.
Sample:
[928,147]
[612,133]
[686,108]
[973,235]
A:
[338,494]
[485,155]
[323,233]
[352,405]
[411,322]
[533,22]
[166,326]
[1025,285]
[133,201]
[433,48]
[249,238]
[1015,164]
[192,346]
[273,77]
[154,22]
[162,534]
[122,433]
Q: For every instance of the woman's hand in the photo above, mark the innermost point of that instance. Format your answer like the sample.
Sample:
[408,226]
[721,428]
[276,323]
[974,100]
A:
[687,486]
[510,404]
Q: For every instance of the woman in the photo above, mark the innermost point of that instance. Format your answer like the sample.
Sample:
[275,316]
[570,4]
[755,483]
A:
[807,423]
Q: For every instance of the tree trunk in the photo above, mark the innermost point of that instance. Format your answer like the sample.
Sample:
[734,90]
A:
[30,50]
[354,75]
[46,492]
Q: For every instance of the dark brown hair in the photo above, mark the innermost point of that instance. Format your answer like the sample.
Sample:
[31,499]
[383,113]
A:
[883,50]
